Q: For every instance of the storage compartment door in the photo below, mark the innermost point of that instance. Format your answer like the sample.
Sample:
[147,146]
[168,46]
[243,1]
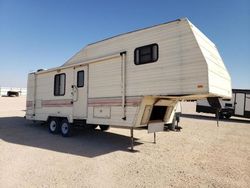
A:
[239,104]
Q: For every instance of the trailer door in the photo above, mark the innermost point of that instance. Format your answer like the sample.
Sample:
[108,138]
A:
[239,104]
[31,96]
[79,91]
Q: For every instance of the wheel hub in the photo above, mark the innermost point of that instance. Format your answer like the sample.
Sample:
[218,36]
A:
[53,125]
[65,128]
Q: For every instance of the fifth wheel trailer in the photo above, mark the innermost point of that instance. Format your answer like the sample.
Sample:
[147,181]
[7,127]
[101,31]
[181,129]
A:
[238,105]
[130,80]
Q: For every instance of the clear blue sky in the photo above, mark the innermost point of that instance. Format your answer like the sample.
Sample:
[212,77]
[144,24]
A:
[44,34]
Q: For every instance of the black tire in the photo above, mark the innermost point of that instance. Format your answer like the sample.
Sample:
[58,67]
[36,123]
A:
[66,128]
[227,115]
[221,116]
[92,126]
[54,125]
[104,127]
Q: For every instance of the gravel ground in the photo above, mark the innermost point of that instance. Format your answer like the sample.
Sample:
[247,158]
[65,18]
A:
[201,155]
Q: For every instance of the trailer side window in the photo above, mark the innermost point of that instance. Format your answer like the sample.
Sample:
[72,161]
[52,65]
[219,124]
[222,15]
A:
[59,84]
[146,54]
[80,79]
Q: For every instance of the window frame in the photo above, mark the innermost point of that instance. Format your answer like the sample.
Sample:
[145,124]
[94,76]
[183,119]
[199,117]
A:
[77,84]
[55,94]
[151,54]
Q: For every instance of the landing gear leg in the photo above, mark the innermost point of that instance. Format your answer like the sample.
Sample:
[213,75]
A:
[154,137]
[218,116]
[132,139]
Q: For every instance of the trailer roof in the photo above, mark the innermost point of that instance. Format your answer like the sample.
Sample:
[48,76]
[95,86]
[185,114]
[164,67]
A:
[138,30]
[119,35]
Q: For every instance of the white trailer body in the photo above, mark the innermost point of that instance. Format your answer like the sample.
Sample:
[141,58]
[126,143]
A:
[238,105]
[131,80]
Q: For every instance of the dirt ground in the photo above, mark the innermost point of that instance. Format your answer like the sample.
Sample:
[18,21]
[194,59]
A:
[201,155]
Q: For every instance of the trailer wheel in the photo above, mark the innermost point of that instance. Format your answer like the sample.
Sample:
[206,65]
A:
[221,116]
[66,128]
[54,125]
[104,127]
[227,115]
[92,126]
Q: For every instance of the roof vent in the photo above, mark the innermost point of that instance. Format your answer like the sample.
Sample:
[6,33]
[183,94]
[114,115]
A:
[39,70]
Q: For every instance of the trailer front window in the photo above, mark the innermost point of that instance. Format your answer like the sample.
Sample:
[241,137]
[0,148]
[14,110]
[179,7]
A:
[146,54]
[59,84]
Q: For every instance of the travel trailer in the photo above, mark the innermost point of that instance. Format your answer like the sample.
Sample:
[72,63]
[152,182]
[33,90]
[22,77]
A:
[238,105]
[131,80]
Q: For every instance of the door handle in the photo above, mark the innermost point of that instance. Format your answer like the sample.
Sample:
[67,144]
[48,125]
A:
[74,93]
